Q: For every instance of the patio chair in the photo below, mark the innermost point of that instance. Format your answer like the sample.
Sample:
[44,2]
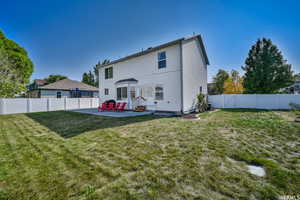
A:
[102,107]
[122,107]
[118,105]
[111,106]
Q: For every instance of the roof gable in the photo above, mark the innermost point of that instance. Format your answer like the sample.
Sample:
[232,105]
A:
[151,49]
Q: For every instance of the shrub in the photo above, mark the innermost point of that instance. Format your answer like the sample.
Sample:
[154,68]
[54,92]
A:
[202,102]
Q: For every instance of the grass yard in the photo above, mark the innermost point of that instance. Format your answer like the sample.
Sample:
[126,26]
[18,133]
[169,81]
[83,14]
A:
[65,155]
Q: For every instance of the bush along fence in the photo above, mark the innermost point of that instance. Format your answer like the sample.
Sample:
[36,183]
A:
[26,105]
[258,101]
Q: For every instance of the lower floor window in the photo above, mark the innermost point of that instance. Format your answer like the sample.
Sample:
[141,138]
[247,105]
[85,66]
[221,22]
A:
[121,93]
[159,93]
[106,91]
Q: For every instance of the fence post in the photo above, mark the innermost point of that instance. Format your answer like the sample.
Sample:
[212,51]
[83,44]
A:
[278,101]
[1,106]
[48,104]
[28,105]
[78,103]
[234,101]
[65,103]
[255,101]
[223,100]
[91,103]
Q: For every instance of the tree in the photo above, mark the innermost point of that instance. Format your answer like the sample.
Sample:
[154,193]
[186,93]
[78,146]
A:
[88,78]
[92,78]
[15,67]
[85,78]
[265,69]
[54,77]
[233,84]
[96,70]
[8,87]
[219,80]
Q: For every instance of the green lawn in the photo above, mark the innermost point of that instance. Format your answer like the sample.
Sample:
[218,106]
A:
[65,155]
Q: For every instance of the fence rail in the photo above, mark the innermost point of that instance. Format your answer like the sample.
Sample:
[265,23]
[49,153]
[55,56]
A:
[27,105]
[258,101]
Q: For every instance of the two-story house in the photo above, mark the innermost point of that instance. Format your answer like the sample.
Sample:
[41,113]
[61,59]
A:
[167,77]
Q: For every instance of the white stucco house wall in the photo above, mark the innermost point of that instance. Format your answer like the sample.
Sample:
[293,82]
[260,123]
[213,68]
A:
[167,77]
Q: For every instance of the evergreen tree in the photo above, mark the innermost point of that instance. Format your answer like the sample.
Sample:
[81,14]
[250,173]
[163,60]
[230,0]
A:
[266,71]
[96,70]
[85,78]
[92,77]
[55,77]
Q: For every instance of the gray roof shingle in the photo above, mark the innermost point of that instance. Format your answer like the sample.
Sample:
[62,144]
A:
[151,49]
[67,84]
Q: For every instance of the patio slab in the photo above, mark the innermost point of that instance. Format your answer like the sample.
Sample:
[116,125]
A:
[113,114]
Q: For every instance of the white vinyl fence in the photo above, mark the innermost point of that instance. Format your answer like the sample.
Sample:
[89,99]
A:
[259,101]
[24,105]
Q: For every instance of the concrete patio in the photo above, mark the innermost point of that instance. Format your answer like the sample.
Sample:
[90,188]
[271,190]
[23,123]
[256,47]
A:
[94,111]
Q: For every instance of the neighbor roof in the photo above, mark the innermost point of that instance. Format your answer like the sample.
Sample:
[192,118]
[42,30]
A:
[67,84]
[40,81]
[151,49]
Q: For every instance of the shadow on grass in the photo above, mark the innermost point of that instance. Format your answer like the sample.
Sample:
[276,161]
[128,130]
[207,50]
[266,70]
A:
[244,110]
[70,124]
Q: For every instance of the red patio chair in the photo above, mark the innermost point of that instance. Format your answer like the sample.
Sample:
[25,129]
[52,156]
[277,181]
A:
[111,106]
[122,107]
[117,107]
[102,107]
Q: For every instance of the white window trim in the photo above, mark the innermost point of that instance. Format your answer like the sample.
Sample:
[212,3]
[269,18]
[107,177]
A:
[158,59]
[162,91]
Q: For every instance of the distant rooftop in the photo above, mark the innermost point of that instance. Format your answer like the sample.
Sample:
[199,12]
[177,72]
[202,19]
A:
[67,84]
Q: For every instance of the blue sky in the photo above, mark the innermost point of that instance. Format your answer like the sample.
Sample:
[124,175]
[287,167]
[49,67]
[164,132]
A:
[69,36]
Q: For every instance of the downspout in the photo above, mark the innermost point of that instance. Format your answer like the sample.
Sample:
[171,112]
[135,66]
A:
[181,77]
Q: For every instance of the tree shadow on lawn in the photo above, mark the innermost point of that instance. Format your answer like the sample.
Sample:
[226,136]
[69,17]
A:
[70,124]
[253,110]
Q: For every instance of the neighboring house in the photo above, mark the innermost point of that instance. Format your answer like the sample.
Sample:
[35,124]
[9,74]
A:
[63,88]
[33,88]
[167,77]
[295,88]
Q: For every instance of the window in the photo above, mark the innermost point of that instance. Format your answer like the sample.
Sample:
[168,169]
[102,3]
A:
[108,73]
[76,94]
[121,93]
[147,92]
[106,91]
[58,95]
[86,94]
[159,93]
[162,60]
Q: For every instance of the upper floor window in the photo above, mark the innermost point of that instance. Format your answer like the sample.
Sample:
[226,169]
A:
[108,73]
[159,93]
[162,60]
